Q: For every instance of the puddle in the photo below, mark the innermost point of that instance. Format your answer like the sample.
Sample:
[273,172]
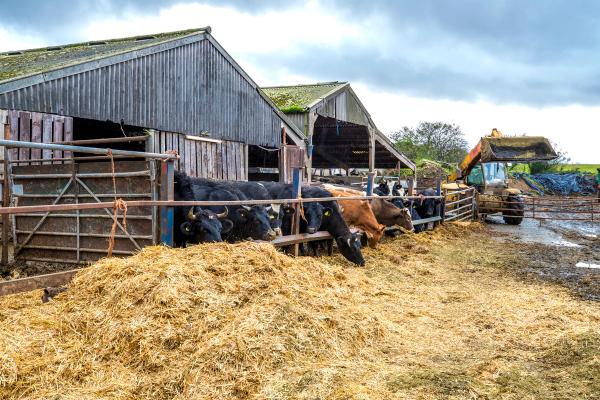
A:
[587,265]
[530,231]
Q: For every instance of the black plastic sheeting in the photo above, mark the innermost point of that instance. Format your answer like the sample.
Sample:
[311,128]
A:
[563,183]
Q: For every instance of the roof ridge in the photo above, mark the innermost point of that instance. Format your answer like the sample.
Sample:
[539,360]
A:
[306,85]
[156,35]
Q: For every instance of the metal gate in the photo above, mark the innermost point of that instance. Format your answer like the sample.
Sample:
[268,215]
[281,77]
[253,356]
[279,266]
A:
[460,204]
[585,209]
[81,236]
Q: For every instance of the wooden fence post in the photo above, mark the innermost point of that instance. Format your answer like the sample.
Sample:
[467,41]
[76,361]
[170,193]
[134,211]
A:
[296,194]
[5,196]
[439,207]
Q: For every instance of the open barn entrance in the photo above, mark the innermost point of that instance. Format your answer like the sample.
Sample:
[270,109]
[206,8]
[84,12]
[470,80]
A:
[263,163]
[341,150]
[108,134]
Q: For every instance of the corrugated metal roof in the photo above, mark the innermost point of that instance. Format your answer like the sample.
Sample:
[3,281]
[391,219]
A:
[299,98]
[22,63]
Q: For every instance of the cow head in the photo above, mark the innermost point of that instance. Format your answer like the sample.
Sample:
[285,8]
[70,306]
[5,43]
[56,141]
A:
[405,219]
[257,222]
[382,189]
[376,236]
[427,207]
[205,226]
[397,189]
[349,246]
[314,214]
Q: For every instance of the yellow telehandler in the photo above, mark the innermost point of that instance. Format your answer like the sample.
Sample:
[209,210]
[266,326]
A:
[485,168]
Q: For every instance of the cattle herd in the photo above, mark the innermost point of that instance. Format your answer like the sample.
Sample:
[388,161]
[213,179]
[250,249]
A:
[195,225]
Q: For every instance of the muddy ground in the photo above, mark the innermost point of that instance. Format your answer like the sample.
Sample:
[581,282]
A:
[565,252]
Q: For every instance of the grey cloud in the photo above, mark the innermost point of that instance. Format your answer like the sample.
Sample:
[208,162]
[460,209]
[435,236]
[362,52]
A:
[532,52]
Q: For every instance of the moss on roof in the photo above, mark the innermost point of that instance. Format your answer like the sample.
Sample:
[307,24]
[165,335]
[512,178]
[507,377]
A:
[293,99]
[17,64]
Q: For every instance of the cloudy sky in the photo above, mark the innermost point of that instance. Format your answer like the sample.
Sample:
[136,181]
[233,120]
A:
[528,67]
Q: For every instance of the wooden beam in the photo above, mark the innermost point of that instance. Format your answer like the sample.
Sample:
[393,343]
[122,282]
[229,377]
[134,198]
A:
[300,238]
[36,282]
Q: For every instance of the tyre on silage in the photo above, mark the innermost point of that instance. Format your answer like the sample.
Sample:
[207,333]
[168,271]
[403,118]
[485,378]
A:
[515,210]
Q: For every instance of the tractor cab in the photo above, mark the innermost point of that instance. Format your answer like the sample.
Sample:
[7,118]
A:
[489,177]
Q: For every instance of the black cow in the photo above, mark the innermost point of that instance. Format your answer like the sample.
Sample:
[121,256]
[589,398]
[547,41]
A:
[382,189]
[258,191]
[348,243]
[415,216]
[426,207]
[193,225]
[248,221]
[311,214]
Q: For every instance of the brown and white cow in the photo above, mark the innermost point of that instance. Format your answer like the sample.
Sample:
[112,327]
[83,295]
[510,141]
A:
[358,213]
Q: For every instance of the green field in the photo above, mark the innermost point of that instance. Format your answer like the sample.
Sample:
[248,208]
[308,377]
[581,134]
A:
[586,168]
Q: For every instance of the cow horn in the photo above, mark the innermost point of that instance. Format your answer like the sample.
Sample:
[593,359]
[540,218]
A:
[191,216]
[224,214]
[247,208]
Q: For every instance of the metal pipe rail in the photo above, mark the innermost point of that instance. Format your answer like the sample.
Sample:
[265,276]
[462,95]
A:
[451,203]
[190,203]
[82,149]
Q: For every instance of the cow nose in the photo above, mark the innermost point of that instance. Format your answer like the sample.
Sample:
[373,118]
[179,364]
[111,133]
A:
[311,230]
[362,263]
[271,235]
[278,231]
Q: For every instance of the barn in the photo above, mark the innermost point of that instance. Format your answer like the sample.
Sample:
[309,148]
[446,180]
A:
[177,91]
[340,131]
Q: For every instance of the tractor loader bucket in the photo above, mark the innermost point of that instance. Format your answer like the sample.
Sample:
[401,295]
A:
[516,149]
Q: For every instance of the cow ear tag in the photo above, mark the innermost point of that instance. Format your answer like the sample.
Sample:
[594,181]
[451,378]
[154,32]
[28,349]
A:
[327,213]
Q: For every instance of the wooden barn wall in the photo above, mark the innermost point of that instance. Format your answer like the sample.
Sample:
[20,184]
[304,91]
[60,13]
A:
[190,89]
[225,160]
[38,128]
[344,107]
[299,120]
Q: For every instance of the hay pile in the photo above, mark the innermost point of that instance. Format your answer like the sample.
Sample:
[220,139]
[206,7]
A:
[430,317]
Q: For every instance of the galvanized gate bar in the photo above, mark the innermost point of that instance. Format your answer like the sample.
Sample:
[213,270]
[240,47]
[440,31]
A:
[108,212]
[82,149]
[169,203]
[41,221]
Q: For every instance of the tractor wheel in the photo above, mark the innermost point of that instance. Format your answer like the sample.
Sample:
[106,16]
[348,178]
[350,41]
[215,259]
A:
[515,212]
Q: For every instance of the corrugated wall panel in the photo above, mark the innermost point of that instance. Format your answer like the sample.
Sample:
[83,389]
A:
[187,89]
[298,119]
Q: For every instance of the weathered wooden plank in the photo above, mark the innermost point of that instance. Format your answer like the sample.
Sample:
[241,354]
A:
[13,120]
[231,166]
[57,136]
[204,160]
[300,238]
[36,135]
[181,145]
[68,134]
[224,167]
[47,125]
[211,162]
[215,167]
[24,134]
[243,162]
[162,142]
[190,147]
[239,150]
[36,282]
[221,161]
